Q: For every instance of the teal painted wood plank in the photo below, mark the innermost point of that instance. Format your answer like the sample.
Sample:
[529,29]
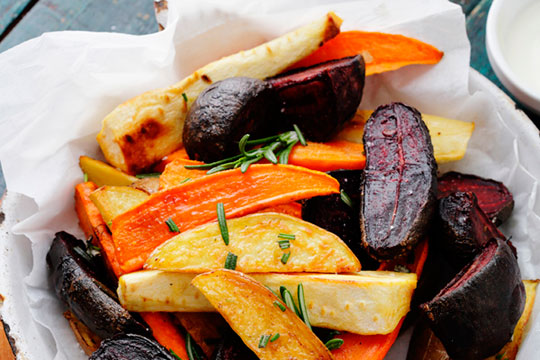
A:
[126,16]
[10,10]
[467,5]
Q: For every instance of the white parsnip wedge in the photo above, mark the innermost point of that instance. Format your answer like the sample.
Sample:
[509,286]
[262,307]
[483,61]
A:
[148,127]
[251,311]
[260,245]
[368,302]
[103,174]
[449,137]
[112,201]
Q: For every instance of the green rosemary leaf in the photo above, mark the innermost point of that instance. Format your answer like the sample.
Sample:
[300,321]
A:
[300,136]
[214,164]
[270,156]
[284,244]
[242,144]
[191,350]
[334,344]
[245,165]
[172,225]
[272,291]
[285,153]
[275,337]
[174,354]
[302,305]
[285,257]
[185,97]
[185,180]
[345,198]
[222,221]
[230,261]
[288,300]
[85,177]
[287,236]
[146,176]
[264,341]
[279,305]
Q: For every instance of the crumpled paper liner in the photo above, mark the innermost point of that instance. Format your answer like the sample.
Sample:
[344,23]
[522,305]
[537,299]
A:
[56,89]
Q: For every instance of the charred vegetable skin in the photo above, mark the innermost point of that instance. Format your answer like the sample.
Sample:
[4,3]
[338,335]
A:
[331,213]
[399,185]
[493,197]
[223,113]
[464,228]
[131,347]
[322,98]
[231,347]
[86,297]
[475,314]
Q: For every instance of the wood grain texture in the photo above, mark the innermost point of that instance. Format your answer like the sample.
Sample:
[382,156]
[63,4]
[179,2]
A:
[126,16]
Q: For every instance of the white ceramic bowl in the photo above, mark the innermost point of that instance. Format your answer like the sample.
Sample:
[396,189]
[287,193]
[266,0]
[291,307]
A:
[500,19]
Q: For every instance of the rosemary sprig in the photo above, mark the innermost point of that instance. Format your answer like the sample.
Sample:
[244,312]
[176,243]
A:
[275,149]
[222,222]
[334,344]
[191,349]
[302,305]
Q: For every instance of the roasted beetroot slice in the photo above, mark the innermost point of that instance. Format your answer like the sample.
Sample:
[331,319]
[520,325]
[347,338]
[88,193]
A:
[331,213]
[400,183]
[131,347]
[322,98]
[475,314]
[493,197]
[464,228]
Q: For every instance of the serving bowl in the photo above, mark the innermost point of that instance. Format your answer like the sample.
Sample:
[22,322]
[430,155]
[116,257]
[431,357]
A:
[502,47]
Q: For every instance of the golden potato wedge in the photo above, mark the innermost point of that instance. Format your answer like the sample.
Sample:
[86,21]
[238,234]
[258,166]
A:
[449,137]
[103,174]
[255,240]
[250,310]
[143,130]
[368,302]
[115,200]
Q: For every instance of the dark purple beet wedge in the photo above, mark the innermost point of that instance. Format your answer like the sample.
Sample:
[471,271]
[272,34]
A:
[493,197]
[131,347]
[320,99]
[464,227]
[475,314]
[400,182]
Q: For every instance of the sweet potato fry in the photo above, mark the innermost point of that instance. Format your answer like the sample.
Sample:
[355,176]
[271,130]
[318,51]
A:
[329,156]
[255,240]
[382,52]
[250,310]
[140,230]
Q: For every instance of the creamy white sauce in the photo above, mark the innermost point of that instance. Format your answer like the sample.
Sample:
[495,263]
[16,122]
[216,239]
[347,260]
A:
[520,45]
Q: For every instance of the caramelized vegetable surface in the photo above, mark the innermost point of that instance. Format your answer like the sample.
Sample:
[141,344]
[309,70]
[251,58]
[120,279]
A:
[131,347]
[399,184]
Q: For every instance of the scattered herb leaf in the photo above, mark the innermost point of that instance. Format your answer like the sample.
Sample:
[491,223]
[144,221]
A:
[149,175]
[288,299]
[287,236]
[300,135]
[285,257]
[334,344]
[275,337]
[85,177]
[191,350]
[222,221]
[109,223]
[346,199]
[174,354]
[185,97]
[172,225]
[264,341]
[185,180]
[284,244]
[279,305]
[302,305]
[230,261]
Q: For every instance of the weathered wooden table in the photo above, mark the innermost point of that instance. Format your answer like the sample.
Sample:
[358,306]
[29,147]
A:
[21,20]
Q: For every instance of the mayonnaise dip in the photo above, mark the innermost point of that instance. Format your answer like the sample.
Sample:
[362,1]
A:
[520,45]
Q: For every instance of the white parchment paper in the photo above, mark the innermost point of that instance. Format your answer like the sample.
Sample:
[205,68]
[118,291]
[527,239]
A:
[56,89]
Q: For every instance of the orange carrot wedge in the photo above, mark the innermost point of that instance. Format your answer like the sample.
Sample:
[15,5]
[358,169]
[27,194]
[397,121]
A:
[292,209]
[178,154]
[166,332]
[375,347]
[137,232]
[382,52]
[92,224]
[329,156]
[175,173]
